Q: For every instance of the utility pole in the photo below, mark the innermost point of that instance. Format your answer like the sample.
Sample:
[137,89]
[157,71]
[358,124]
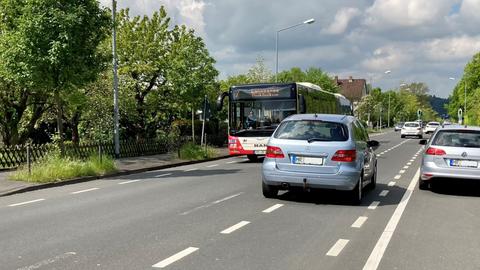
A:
[465,104]
[115,81]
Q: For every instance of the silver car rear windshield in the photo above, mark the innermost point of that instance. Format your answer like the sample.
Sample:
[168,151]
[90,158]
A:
[312,130]
[412,125]
[458,138]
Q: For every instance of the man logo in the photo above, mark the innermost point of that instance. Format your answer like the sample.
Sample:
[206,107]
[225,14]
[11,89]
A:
[464,154]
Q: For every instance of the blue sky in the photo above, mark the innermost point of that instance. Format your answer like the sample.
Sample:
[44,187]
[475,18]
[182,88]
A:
[418,40]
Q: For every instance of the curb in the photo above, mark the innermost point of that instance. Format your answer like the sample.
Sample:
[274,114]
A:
[115,174]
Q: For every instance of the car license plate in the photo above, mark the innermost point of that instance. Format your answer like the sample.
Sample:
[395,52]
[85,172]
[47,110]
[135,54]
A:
[307,160]
[464,163]
[259,152]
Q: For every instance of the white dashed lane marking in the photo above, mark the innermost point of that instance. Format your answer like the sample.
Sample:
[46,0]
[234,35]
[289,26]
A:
[235,227]
[397,177]
[359,222]
[190,170]
[273,208]
[383,193]
[162,175]
[85,190]
[128,182]
[211,166]
[391,184]
[401,171]
[338,247]
[27,202]
[373,205]
[175,257]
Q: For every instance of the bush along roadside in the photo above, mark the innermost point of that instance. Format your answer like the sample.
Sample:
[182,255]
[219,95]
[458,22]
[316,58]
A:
[56,168]
[191,151]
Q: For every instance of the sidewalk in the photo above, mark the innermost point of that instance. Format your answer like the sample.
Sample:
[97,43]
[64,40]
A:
[124,166]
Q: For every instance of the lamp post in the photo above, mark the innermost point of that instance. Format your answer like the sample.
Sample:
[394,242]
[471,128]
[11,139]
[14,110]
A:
[309,21]
[115,82]
[388,112]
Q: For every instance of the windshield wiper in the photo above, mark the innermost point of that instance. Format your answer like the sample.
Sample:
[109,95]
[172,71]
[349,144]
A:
[317,140]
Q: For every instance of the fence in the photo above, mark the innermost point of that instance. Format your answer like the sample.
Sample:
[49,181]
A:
[14,156]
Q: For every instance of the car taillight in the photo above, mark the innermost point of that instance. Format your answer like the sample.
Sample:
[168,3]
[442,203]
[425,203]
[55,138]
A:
[345,156]
[435,151]
[274,152]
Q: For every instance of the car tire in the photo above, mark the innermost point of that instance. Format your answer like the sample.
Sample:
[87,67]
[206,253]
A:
[402,136]
[252,158]
[420,137]
[356,193]
[423,185]
[269,191]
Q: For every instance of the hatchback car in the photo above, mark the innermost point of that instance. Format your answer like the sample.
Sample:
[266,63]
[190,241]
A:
[431,127]
[452,152]
[313,151]
[411,129]
[399,126]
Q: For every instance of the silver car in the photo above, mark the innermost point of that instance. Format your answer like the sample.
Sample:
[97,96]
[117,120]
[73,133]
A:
[452,152]
[325,151]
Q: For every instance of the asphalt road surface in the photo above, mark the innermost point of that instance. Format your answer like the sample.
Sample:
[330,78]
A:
[213,216]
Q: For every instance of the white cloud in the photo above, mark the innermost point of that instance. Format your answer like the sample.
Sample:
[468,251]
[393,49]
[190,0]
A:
[341,20]
[386,58]
[191,13]
[384,14]
[451,48]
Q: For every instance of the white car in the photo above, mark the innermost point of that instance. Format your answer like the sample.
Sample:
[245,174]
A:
[431,127]
[411,129]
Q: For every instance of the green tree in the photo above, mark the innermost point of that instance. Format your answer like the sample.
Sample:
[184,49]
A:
[55,45]
[311,75]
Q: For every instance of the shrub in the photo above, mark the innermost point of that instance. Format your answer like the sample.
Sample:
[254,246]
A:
[192,151]
[55,169]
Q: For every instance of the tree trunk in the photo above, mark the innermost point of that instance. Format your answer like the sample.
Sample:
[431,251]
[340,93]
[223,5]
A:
[193,125]
[58,102]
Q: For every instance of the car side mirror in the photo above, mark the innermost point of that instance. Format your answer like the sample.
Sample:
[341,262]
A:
[373,143]
[423,142]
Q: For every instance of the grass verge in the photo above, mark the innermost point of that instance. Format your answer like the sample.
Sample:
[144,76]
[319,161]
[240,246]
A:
[55,169]
[192,151]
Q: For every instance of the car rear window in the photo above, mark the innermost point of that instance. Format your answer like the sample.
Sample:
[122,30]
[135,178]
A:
[312,129]
[433,124]
[412,125]
[458,138]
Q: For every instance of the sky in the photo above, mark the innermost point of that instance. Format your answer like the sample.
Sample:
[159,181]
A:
[417,40]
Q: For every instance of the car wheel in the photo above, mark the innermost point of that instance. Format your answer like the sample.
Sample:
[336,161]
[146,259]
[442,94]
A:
[423,185]
[356,193]
[373,181]
[269,191]
[402,136]
[420,137]
[252,158]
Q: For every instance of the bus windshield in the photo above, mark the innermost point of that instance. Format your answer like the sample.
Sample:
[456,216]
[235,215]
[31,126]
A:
[259,117]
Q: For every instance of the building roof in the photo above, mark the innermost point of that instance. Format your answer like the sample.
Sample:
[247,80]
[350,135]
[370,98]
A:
[353,89]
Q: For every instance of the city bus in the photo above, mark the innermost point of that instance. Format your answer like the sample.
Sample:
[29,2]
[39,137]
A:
[255,110]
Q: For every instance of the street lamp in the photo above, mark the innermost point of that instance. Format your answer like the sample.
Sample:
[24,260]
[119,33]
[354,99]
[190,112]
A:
[309,21]
[116,130]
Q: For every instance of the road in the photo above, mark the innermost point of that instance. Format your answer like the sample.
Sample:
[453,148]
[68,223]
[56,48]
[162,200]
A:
[213,216]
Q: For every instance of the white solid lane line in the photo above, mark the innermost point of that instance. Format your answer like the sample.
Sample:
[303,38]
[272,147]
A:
[175,257]
[273,208]
[162,175]
[192,169]
[391,184]
[235,227]
[128,182]
[211,166]
[338,247]
[359,222]
[397,177]
[373,205]
[85,190]
[383,193]
[382,244]
[27,202]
